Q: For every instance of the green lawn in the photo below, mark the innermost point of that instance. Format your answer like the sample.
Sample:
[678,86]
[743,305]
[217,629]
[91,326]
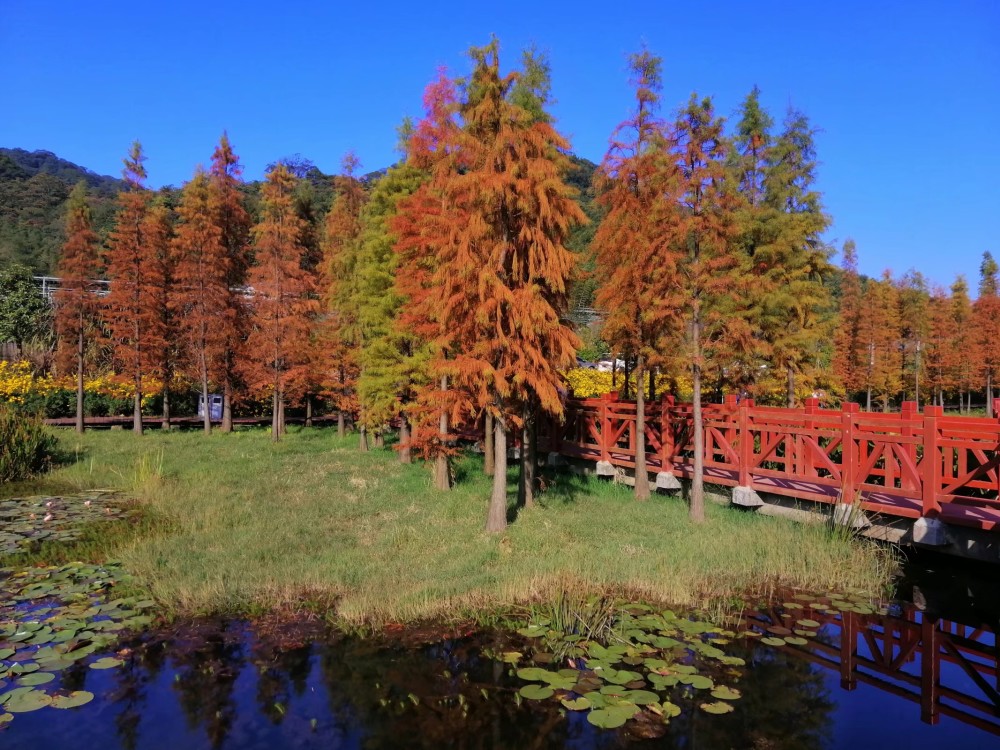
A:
[235,524]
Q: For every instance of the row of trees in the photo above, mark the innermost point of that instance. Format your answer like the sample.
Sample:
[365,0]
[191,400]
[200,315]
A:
[901,338]
[439,295]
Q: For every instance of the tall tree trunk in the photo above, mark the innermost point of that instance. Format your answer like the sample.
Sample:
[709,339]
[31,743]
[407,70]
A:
[137,408]
[989,394]
[697,509]
[651,377]
[363,439]
[379,436]
[968,408]
[614,371]
[916,376]
[868,402]
[341,427]
[496,517]
[442,472]
[627,385]
[489,447]
[405,455]
[165,425]
[309,411]
[207,412]
[227,406]
[526,475]
[790,386]
[281,415]
[275,416]
[533,454]
[641,472]
[80,427]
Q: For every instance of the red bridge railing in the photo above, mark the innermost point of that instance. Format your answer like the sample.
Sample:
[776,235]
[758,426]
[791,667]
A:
[910,464]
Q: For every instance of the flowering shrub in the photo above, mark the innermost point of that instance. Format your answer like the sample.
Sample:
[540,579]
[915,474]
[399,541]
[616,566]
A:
[104,393]
[584,383]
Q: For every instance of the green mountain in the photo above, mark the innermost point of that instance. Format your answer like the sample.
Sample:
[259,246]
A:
[34,186]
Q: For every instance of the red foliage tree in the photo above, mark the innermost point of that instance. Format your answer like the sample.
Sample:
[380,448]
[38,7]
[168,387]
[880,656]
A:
[986,317]
[233,221]
[76,302]
[131,308]
[202,284]
[278,346]
[632,181]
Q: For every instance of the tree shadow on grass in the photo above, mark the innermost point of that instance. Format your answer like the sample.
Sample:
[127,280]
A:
[562,487]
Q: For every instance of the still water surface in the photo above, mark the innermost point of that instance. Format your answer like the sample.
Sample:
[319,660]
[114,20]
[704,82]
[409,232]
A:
[223,685]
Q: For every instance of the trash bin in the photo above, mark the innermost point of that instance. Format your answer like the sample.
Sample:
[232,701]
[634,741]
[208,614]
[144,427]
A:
[214,406]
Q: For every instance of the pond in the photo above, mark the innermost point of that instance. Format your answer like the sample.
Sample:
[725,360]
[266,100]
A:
[864,680]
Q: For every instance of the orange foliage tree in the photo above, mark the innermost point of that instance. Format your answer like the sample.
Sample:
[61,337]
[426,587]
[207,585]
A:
[503,283]
[233,222]
[159,245]
[632,186]
[425,229]
[938,352]
[283,306]
[880,335]
[203,297]
[131,308]
[702,268]
[76,301]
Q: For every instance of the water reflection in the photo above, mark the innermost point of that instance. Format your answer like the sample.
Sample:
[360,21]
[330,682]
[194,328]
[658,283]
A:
[229,685]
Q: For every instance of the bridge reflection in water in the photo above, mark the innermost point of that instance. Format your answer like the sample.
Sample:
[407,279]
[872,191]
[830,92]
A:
[946,667]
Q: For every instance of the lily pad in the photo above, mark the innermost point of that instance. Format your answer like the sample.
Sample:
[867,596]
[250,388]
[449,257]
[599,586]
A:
[577,704]
[772,641]
[536,692]
[36,678]
[726,693]
[74,699]
[718,707]
[26,702]
[108,662]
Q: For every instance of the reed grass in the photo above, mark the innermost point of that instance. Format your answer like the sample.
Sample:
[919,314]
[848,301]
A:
[238,525]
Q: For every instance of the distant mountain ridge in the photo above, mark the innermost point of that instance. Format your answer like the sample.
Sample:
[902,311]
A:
[34,187]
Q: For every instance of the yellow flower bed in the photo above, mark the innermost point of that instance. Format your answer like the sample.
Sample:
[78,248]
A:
[584,383]
[18,382]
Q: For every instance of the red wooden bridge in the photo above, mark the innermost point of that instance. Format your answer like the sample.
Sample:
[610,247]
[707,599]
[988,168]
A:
[912,464]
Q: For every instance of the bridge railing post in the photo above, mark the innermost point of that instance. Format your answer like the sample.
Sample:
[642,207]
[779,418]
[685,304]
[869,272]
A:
[666,434]
[806,454]
[848,452]
[746,442]
[932,464]
[605,417]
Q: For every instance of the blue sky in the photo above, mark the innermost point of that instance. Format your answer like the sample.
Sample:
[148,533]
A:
[906,94]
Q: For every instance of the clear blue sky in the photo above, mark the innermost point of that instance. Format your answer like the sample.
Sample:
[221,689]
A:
[907,94]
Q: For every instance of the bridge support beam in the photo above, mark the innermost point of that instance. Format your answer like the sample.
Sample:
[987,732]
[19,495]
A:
[605,469]
[556,459]
[665,480]
[847,514]
[930,532]
[746,497]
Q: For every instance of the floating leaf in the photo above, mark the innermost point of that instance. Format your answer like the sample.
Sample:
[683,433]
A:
[771,641]
[726,693]
[536,692]
[533,674]
[577,704]
[718,707]
[37,678]
[74,699]
[26,702]
[808,623]
[795,640]
[108,662]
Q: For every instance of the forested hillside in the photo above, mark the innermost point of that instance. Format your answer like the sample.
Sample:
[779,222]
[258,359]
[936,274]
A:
[34,187]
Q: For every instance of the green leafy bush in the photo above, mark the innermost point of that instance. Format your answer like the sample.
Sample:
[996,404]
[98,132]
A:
[26,448]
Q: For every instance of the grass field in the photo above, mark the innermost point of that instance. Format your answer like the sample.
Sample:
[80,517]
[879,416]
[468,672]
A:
[235,524]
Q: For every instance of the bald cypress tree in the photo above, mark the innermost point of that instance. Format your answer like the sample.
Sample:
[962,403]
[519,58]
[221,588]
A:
[633,180]
[283,296]
[76,301]
[986,314]
[131,308]
[702,260]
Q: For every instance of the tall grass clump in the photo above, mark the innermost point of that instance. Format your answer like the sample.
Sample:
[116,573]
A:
[26,447]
